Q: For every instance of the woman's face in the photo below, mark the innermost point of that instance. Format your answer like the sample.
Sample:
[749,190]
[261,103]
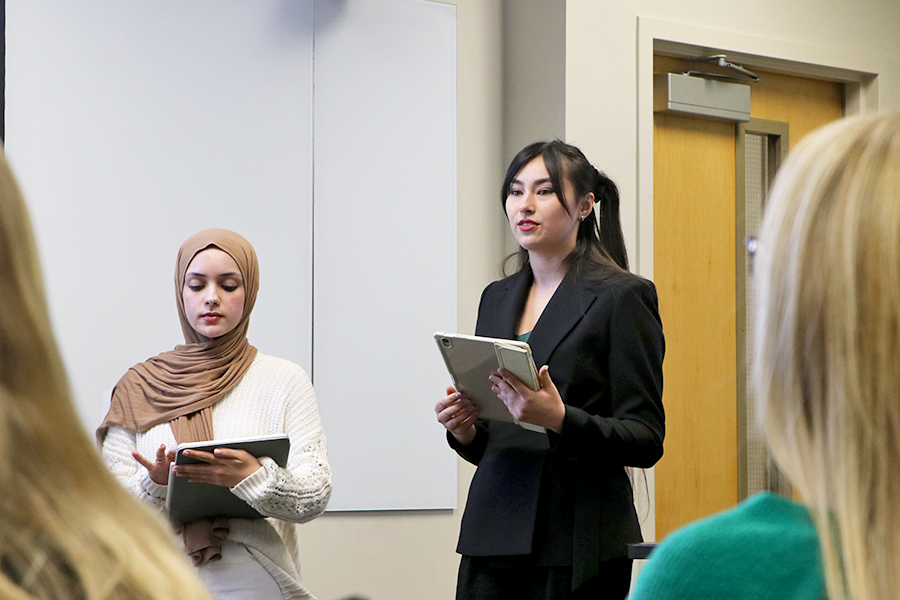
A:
[536,216]
[213,293]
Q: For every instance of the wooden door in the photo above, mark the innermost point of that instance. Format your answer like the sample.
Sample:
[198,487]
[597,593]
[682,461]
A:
[695,273]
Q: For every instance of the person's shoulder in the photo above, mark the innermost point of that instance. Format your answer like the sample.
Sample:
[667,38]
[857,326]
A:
[619,281]
[264,363]
[501,286]
[508,280]
[623,290]
[761,517]
[279,375]
[762,543]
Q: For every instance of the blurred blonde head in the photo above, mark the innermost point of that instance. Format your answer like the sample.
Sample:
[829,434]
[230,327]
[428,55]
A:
[68,529]
[827,355]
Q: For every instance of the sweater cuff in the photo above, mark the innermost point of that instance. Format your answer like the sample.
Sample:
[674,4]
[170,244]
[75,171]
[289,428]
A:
[151,488]
[253,487]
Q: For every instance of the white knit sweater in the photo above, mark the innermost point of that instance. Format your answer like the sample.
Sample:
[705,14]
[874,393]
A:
[274,396]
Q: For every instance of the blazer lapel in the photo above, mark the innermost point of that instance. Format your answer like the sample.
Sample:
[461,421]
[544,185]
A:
[509,306]
[565,310]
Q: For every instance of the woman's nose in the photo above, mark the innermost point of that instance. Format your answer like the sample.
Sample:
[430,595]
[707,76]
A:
[212,297]
[526,207]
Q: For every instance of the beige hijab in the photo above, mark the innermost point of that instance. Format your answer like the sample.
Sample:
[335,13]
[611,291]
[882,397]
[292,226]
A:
[179,387]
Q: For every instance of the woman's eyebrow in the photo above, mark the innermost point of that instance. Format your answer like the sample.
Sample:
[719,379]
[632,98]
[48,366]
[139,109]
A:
[220,275]
[535,182]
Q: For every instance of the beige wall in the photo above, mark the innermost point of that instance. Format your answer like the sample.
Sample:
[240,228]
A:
[534,67]
[388,556]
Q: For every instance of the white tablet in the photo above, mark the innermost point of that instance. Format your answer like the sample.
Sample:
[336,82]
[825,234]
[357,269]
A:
[471,359]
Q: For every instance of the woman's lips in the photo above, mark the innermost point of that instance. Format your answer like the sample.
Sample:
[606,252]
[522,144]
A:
[211,317]
[526,225]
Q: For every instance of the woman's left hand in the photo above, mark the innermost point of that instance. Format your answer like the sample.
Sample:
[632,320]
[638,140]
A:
[225,466]
[542,407]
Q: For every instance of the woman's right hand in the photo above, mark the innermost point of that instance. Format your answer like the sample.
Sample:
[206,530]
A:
[457,414]
[159,469]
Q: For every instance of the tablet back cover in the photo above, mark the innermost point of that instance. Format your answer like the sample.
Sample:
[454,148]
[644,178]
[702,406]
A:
[469,361]
[188,501]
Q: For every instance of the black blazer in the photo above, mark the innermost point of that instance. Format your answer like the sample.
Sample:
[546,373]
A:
[566,499]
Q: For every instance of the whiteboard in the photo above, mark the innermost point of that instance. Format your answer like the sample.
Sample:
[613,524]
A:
[132,125]
[385,246]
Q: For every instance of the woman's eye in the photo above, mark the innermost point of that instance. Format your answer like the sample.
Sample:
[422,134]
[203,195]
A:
[545,191]
[230,287]
[195,287]
[515,192]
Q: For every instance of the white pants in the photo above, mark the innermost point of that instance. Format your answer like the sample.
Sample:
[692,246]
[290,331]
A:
[238,576]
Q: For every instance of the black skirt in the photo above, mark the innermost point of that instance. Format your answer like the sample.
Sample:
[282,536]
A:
[494,578]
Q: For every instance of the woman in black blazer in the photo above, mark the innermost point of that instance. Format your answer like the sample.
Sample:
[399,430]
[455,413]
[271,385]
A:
[551,515]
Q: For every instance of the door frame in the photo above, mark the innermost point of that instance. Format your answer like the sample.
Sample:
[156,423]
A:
[863,75]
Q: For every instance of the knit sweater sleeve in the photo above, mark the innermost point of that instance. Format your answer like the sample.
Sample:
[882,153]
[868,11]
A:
[116,454]
[299,492]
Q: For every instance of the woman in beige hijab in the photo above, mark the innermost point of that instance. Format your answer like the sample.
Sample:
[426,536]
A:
[217,386]
[68,530]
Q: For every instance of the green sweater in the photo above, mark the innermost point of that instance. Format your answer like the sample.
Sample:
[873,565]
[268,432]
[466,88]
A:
[765,547]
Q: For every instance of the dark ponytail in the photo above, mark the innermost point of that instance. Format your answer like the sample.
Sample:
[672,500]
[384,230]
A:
[600,246]
[606,193]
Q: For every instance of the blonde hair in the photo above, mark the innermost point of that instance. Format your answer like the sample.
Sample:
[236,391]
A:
[67,528]
[828,343]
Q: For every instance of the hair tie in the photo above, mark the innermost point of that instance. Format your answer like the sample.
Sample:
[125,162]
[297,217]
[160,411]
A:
[598,186]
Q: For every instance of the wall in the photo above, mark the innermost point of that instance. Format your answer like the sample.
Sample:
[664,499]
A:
[382,555]
[534,67]
[410,556]
[609,51]
[602,73]
[201,115]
